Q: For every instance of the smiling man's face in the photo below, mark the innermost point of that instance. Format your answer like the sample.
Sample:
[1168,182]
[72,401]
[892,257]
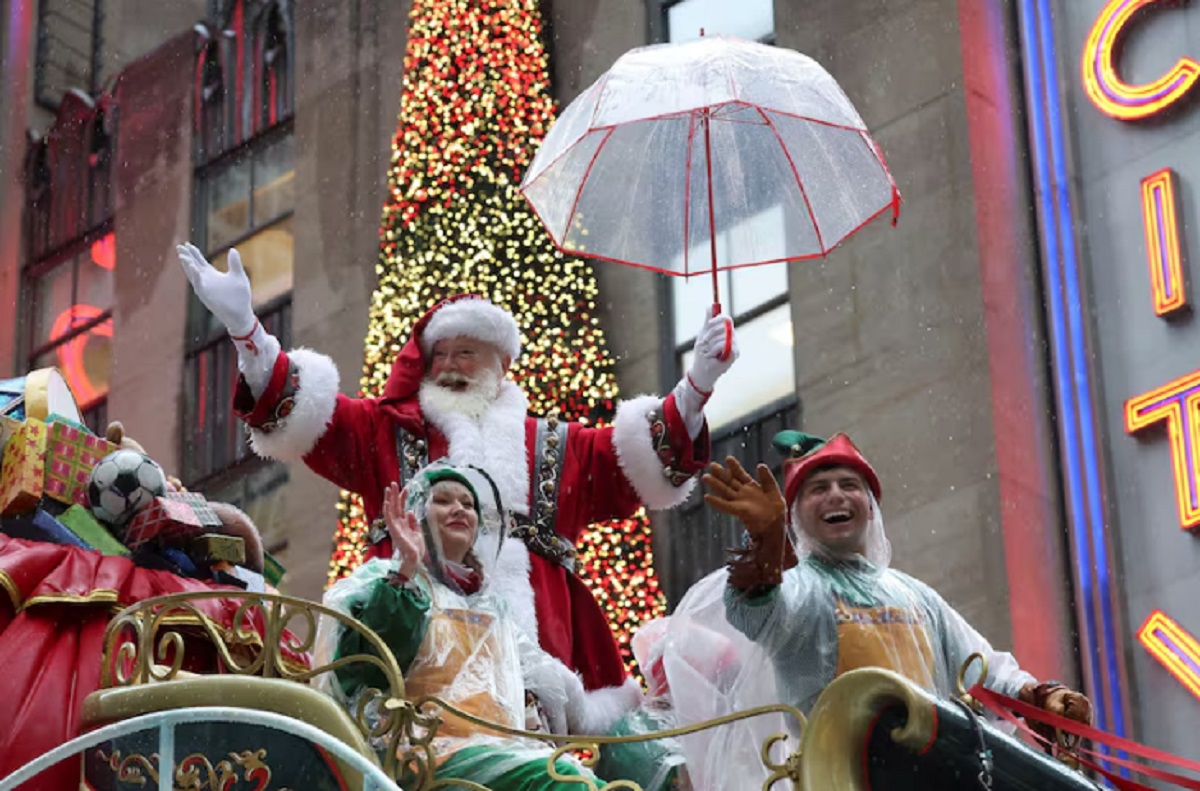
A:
[835,508]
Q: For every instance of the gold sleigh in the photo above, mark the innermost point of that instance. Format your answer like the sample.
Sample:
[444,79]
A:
[142,672]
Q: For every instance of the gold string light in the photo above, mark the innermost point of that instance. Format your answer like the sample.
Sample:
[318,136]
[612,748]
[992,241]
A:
[474,107]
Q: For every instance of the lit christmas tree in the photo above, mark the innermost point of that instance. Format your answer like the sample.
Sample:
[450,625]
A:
[474,108]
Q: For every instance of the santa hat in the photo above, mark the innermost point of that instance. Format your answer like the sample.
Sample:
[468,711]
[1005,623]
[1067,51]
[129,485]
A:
[805,454]
[472,317]
[463,315]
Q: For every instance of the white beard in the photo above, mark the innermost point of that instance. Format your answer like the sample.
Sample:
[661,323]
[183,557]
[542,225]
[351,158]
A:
[474,401]
[490,433]
[485,432]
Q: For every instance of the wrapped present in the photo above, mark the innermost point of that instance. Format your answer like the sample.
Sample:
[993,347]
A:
[41,526]
[83,524]
[8,427]
[39,394]
[204,512]
[71,453]
[217,547]
[173,518]
[239,577]
[22,471]
[176,561]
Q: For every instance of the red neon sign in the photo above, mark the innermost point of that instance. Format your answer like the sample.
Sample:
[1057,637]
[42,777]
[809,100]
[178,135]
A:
[104,251]
[70,354]
[1177,403]
[1159,212]
[1170,644]
[1112,95]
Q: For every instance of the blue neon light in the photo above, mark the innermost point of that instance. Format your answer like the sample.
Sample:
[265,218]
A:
[1070,370]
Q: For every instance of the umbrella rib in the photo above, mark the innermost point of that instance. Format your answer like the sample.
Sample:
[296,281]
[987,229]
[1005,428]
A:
[883,163]
[799,184]
[583,181]
[599,96]
[687,194]
[526,182]
[820,121]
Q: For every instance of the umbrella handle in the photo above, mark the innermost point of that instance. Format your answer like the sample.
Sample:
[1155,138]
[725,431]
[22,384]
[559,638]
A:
[728,350]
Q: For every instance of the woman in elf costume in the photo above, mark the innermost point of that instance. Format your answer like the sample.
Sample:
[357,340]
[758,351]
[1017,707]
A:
[452,638]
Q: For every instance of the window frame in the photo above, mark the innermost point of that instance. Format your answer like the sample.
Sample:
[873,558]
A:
[42,91]
[232,125]
[61,219]
[657,27]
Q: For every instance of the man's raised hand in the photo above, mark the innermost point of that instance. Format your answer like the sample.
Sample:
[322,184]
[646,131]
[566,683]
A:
[407,540]
[225,294]
[758,504]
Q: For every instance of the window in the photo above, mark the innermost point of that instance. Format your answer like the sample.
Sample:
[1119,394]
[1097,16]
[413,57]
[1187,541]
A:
[756,297]
[244,198]
[743,419]
[68,49]
[697,536]
[682,20]
[243,75]
[70,256]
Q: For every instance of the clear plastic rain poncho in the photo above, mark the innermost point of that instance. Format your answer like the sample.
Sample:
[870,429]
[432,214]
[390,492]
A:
[705,668]
[831,614]
[472,655]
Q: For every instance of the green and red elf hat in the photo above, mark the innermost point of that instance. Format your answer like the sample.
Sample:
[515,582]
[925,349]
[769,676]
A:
[804,454]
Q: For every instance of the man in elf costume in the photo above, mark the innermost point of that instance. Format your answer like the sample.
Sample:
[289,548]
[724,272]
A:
[448,397]
[813,586]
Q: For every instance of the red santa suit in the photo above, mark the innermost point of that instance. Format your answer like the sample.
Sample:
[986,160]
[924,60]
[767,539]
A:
[558,476]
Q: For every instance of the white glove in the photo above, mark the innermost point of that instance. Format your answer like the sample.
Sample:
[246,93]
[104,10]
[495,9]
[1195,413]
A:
[225,294]
[696,386]
[707,367]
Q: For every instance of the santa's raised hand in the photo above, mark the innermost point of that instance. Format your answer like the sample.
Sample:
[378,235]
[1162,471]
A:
[408,543]
[709,363]
[227,296]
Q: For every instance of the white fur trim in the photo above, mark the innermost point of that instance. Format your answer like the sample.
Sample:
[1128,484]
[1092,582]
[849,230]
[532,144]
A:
[503,453]
[316,398]
[506,579]
[474,318]
[595,712]
[639,462]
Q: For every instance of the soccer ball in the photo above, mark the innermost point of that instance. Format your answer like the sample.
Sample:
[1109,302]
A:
[123,483]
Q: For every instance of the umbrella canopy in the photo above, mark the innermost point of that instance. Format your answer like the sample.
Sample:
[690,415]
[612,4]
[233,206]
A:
[668,159]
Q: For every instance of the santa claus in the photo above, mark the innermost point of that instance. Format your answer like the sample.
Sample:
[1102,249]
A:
[448,397]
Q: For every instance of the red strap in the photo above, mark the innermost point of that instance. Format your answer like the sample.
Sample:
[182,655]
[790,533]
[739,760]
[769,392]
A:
[1003,706]
[1124,784]
[248,335]
[994,700]
[705,394]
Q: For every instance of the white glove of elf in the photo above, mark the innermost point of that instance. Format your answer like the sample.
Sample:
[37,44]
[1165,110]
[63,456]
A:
[227,296]
[696,386]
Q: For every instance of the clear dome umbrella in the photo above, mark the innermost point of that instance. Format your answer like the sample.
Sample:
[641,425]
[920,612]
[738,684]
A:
[664,162]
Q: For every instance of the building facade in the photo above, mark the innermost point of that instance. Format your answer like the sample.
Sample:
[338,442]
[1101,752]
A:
[1015,356]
